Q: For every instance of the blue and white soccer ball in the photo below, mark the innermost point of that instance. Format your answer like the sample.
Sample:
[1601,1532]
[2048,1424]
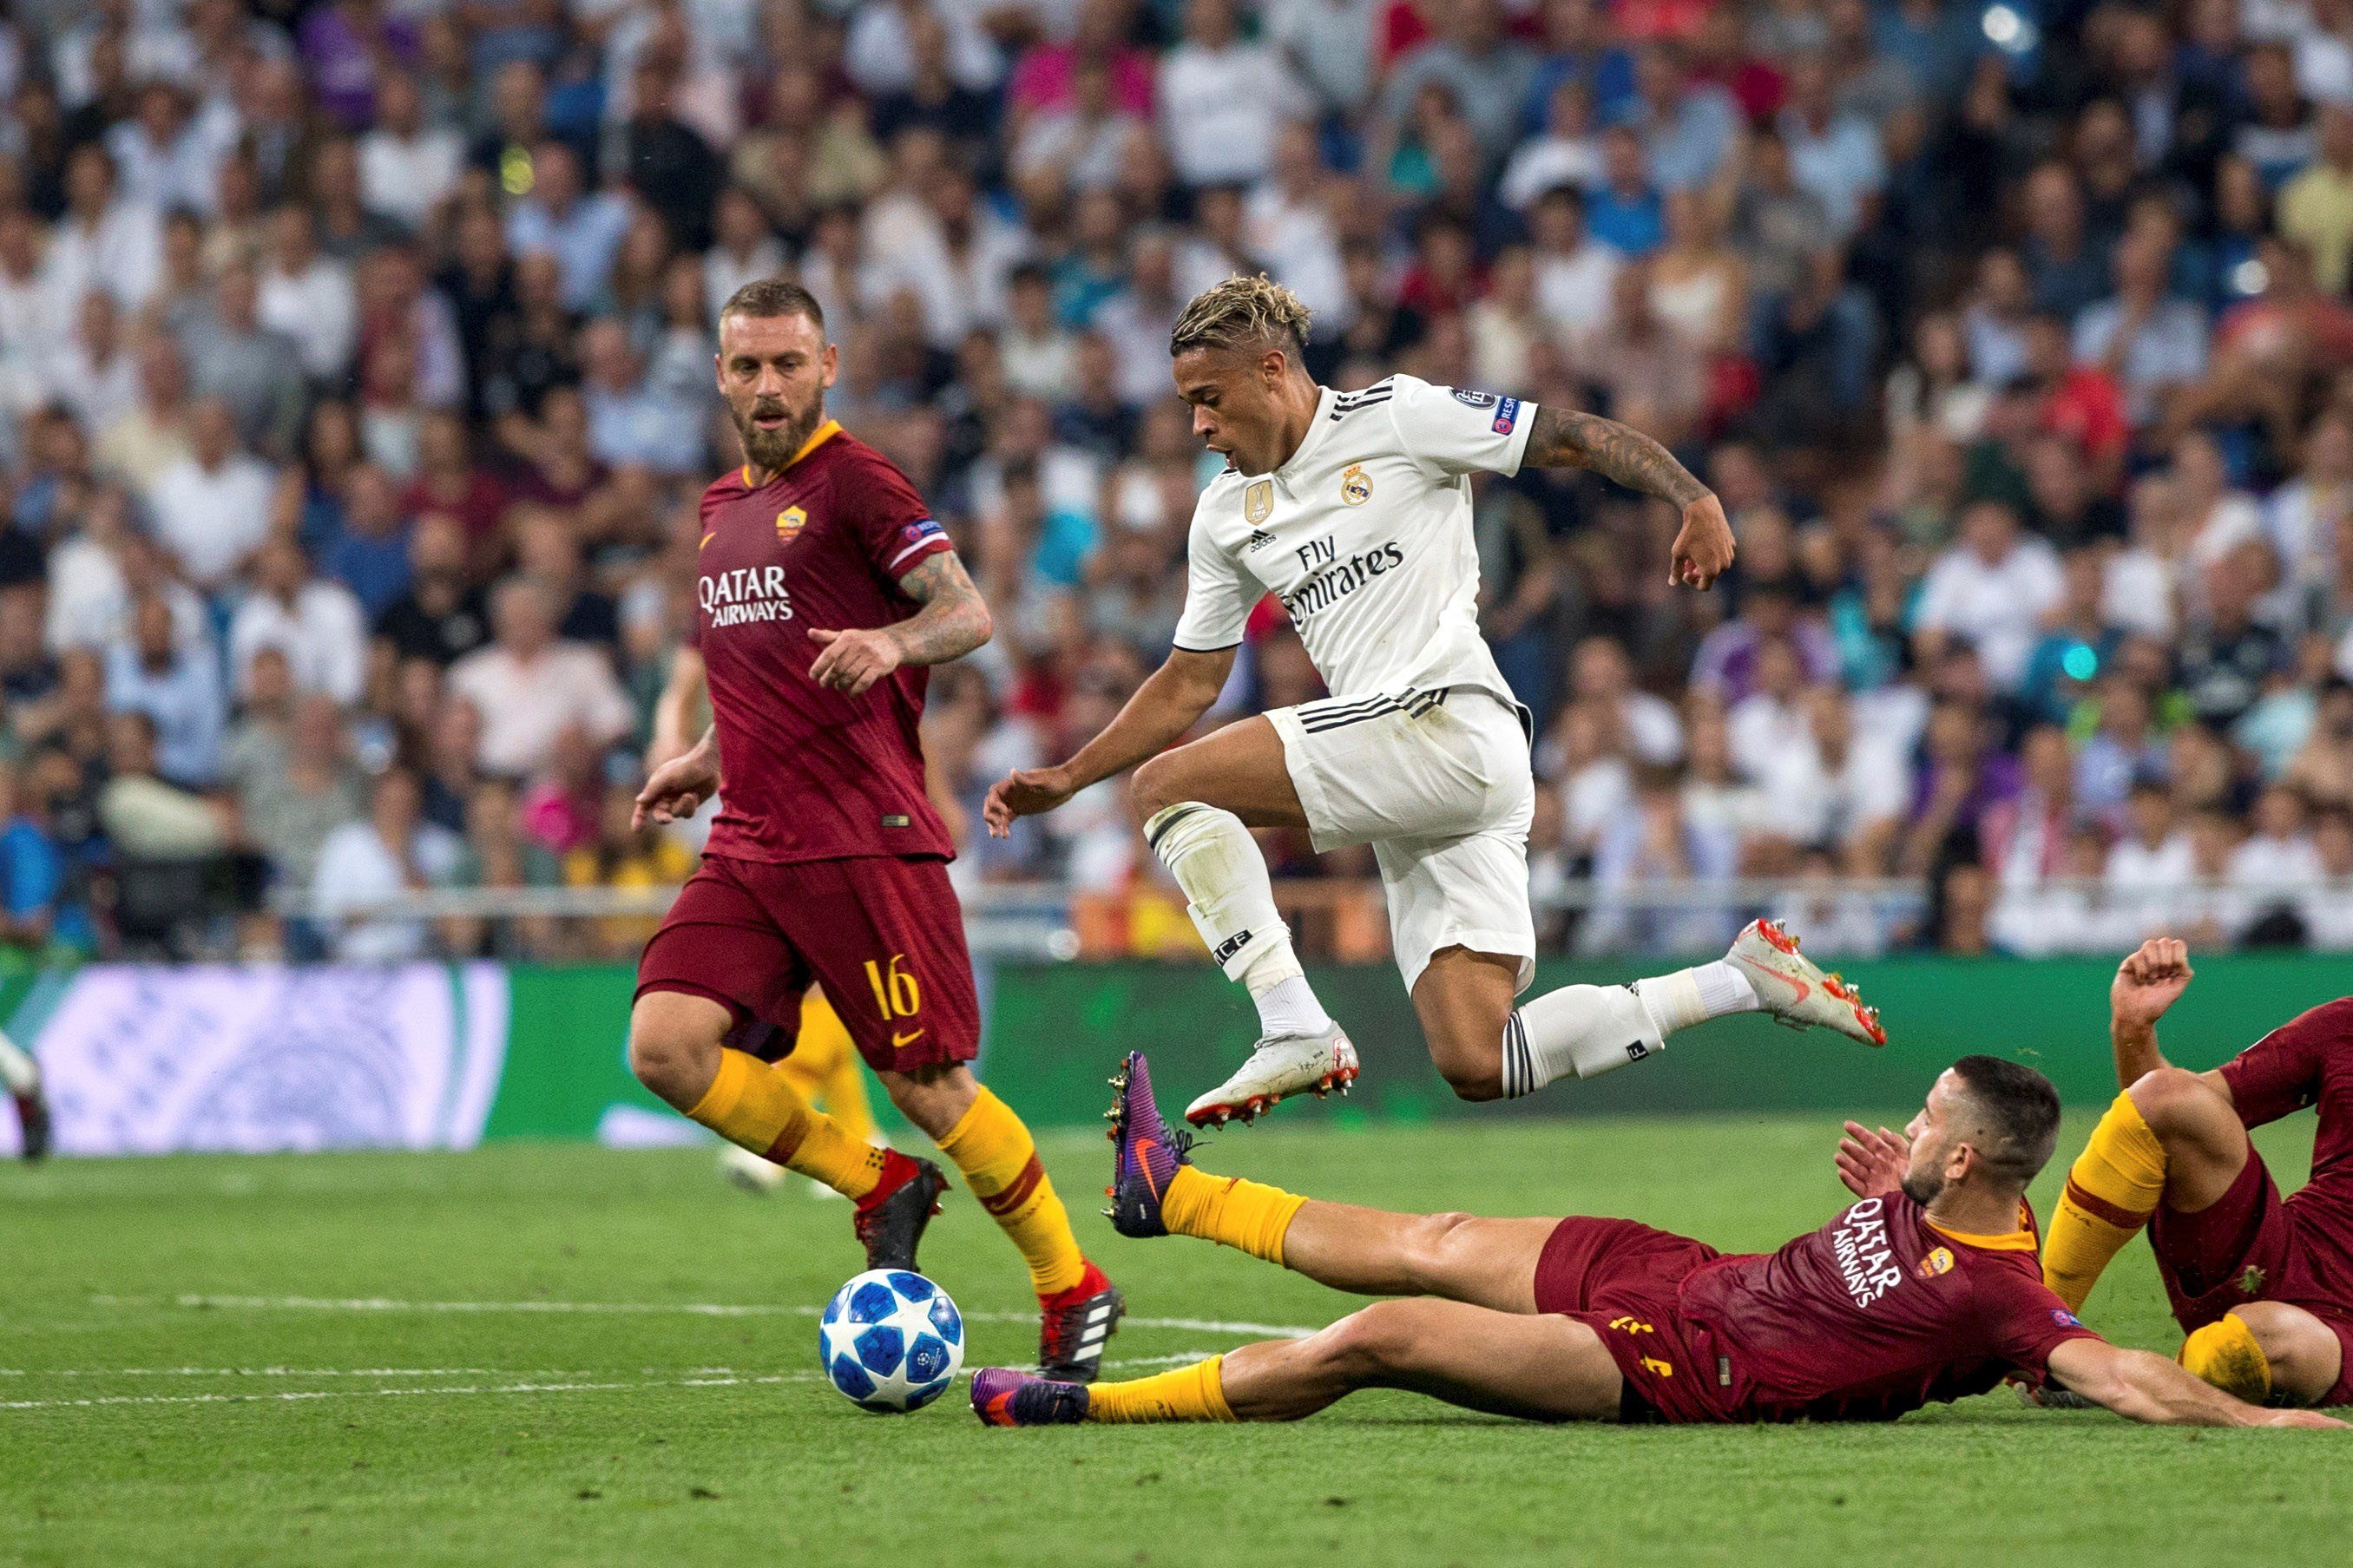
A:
[891,1341]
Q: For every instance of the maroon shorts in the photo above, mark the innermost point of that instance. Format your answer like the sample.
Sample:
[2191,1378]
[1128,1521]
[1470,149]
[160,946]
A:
[2243,1247]
[883,935]
[1621,1278]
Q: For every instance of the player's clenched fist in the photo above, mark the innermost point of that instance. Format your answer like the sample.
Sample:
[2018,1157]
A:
[2150,981]
[1703,548]
[853,660]
[678,788]
[1024,792]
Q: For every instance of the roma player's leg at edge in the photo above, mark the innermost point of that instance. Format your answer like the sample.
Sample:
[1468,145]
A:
[2171,1156]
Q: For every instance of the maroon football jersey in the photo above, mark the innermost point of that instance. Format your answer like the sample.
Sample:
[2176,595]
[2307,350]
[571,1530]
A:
[808,774]
[1876,1313]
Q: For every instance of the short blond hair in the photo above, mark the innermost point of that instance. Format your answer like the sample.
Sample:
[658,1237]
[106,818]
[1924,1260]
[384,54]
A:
[1242,312]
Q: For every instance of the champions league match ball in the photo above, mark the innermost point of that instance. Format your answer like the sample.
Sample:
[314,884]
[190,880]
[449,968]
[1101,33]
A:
[891,1341]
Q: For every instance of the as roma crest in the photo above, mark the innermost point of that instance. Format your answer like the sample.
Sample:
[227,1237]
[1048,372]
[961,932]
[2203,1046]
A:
[789,523]
[1356,485]
[1939,1261]
[1258,503]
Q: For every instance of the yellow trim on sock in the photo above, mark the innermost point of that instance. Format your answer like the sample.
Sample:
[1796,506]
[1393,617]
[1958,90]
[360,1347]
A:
[1249,1216]
[2227,1355]
[999,1159]
[1195,1392]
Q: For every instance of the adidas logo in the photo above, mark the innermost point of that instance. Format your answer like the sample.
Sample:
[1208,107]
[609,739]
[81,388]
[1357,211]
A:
[1258,540]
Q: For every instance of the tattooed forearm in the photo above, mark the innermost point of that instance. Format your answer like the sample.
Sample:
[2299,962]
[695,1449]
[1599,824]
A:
[1564,438]
[953,620]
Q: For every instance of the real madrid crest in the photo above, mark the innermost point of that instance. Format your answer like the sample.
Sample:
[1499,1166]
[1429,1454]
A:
[1356,485]
[789,523]
[1258,503]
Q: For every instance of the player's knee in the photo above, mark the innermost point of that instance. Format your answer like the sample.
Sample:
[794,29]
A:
[1369,1341]
[673,1048]
[1430,1249]
[2175,1102]
[1157,785]
[2305,1354]
[1471,1064]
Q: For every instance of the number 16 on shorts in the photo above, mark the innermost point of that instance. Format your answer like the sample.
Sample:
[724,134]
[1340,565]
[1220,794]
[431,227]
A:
[896,995]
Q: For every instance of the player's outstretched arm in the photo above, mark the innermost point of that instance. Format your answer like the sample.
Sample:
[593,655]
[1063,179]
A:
[1170,701]
[953,621]
[1564,438]
[2140,1385]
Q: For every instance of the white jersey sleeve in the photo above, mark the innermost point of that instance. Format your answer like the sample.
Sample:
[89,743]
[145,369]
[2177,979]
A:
[1454,432]
[1218,593]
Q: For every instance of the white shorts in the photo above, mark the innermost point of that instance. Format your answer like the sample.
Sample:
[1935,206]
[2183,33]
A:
[1438,783]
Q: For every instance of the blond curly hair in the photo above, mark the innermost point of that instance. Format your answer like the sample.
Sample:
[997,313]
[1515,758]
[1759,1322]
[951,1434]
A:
[1242,312]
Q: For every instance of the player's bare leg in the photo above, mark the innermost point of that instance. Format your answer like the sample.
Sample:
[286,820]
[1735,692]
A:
[1545,1368]
[1198,802]
[1157,1191]
[20,1075]
[676,1050]
[2169,1139]
[1079,1307]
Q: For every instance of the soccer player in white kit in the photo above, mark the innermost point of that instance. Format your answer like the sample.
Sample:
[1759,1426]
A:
[1355,510]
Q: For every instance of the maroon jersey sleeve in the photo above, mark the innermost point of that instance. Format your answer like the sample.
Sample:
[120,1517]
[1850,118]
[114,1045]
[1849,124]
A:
[2288,1069]
[894,529]
[2024,1321]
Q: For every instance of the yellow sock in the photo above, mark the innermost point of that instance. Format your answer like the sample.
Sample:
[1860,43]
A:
[1186,1393]
[997,1157]
[754,1104]
[2226,1356]
[824,1068]
[2114,1186]
[1249,1215]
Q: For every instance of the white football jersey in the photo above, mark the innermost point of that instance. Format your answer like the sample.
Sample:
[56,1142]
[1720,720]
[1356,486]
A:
[1365,535]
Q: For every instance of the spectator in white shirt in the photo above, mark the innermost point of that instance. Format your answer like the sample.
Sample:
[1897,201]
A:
[212,507]
[316,624]
[2329,910]
[93,372]
[743,250]
[536,685]
[406,166]
[1221,98]
[1568,153]
[308,295]
[104,241]
[2276,855]
[368,865]
[1990,590]
[177,686]
[2069,913]
[165,157]
[1576,273]
[1602,676]
[32,319]
[2149,866]
[1770,723]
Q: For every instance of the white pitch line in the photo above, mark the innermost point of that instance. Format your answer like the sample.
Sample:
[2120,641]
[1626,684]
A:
[730,1380]
[695,1309]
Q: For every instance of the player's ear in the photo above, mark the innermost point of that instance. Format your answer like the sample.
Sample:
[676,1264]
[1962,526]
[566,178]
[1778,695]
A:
[830,365]
[1271,365]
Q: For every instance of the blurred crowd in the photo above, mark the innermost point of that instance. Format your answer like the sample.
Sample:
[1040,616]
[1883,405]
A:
[355,394]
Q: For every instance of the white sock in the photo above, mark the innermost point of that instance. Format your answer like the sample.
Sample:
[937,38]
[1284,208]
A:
[19,1073]
[1577,1031]
[1231,900]
[1584,1031]
[1693,995]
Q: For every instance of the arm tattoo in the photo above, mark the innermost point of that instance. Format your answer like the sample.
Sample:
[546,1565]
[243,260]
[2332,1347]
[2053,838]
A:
[951,623]
[1563,439]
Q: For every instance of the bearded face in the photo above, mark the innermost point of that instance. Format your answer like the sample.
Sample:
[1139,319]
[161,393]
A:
[773,372]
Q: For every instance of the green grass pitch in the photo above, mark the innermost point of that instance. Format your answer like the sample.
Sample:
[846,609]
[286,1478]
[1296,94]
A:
[539,1354]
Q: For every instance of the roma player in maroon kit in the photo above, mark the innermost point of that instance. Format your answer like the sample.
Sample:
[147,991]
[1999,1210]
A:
[2262,1284]
[824,590]
[1925,1288]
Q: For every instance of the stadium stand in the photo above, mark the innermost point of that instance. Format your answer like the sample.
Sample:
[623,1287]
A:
[355,392]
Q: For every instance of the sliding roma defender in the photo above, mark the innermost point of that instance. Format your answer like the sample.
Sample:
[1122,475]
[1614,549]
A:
[2262,1284]
[824,590]
[1925,1288]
